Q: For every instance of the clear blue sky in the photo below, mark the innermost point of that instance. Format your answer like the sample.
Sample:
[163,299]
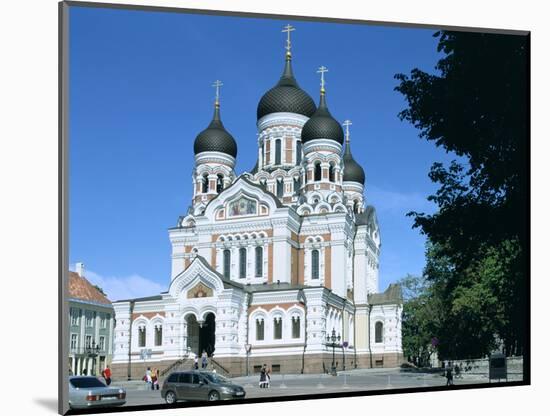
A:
[140,85]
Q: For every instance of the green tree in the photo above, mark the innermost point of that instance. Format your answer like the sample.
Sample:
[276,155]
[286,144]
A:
[476,107]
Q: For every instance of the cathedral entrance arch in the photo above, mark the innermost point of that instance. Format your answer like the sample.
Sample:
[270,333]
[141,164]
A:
[201,335]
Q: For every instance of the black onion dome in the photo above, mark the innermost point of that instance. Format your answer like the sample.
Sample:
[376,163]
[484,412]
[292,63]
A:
[286,97]
[322,125]
[215,138]
[353,172]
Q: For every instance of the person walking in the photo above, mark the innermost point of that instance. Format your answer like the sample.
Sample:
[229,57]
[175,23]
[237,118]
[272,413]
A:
[155,379]
[106,373]
[204,360]
[196,363]
[449,375]
[148,377]
[263,377]
[268,377]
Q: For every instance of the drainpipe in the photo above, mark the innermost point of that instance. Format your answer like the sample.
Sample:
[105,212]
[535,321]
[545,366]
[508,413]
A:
[248,302]
[370,351]
[343,333]
[305,331]
[132,302]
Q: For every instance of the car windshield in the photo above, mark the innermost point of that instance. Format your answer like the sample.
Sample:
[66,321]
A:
[86,382]
[215,378]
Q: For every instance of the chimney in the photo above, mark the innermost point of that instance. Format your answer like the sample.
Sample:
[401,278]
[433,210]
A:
[80,269]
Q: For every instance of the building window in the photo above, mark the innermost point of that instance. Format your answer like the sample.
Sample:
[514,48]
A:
[219,183]
[259,261]
[259,329]
[280,190]
[88,341]
[74,316]
[227,263]
[296,186]
[317,171]
[89,319]
[204,183]
[298,152]
[103,321]
[277,152]
[295,327]
[242,263]
[378,332]
[277,328]
[315,264]
[331,172]
[141,336]
[158,335]
[74,341]
[102,343]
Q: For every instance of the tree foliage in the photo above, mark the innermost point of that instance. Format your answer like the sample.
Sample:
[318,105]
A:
[476,107]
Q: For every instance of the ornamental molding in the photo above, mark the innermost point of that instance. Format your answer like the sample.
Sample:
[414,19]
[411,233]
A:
[322,145]
[215,157]
[275,119]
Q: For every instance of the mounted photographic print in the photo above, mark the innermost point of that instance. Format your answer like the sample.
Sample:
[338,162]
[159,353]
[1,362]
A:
[268,208]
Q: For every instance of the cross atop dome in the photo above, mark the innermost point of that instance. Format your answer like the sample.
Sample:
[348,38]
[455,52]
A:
[346,124]
[322,69]
[217,84]
[287,29]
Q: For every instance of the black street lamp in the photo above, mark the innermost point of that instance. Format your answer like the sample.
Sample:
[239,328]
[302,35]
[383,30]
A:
[92,351]
[333,341]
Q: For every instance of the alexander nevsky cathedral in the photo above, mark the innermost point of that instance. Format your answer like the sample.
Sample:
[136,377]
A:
[278,265]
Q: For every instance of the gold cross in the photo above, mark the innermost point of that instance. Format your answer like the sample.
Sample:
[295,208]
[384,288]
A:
[287,30]
[217,84]
[322,70]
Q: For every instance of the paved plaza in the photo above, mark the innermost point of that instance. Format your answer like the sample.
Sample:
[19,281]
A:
[306,384]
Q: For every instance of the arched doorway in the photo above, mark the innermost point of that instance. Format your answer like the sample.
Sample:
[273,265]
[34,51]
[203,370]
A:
[201,336]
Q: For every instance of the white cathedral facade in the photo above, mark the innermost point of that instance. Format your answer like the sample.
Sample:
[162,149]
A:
[266,265]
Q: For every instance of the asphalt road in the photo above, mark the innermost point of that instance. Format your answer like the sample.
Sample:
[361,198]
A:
[315,384]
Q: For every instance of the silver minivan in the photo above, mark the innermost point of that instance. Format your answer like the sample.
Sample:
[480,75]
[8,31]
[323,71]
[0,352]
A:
[199,385]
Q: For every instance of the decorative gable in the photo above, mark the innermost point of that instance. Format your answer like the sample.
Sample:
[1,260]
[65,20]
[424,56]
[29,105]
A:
[200,290]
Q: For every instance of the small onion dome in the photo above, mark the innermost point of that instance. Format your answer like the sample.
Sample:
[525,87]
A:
[353,172]
[322,125]
[215,138]
[286,97]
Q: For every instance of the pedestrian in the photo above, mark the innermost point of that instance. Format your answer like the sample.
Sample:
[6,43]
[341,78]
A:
[204,360]
[268,377]
[449,375]
[196,363]
[106,373]
[457,371]
[263,377]
[148,377]
[154,379]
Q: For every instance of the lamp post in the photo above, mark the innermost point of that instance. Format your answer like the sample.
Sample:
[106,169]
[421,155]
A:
[248,348]
[92,351]
[333,341]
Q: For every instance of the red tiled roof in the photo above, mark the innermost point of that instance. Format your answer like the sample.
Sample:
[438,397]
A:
[80,288]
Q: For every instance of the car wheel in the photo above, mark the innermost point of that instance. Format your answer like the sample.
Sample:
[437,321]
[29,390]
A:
[170,397]
[213,396]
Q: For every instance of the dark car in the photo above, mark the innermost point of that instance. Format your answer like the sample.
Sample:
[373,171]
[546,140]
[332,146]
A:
[199,385]
[87,392]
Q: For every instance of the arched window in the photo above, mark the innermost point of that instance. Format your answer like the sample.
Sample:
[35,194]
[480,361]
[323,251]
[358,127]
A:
[315,264]
[141,336]
[259,261]
[227,263]
[259,329]
[278,152]
[219,183]
[242,263]
[280,190]
[378,332]
[331,172]
[356,206]
[204,183]
[317,171]
[296,327]
[277,328]
[298,152]
[158,335]
[296,186]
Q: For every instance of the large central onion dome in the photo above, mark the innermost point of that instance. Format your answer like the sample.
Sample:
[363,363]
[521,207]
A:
[286,96]
[215,138]
[322,125]
[353,172]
